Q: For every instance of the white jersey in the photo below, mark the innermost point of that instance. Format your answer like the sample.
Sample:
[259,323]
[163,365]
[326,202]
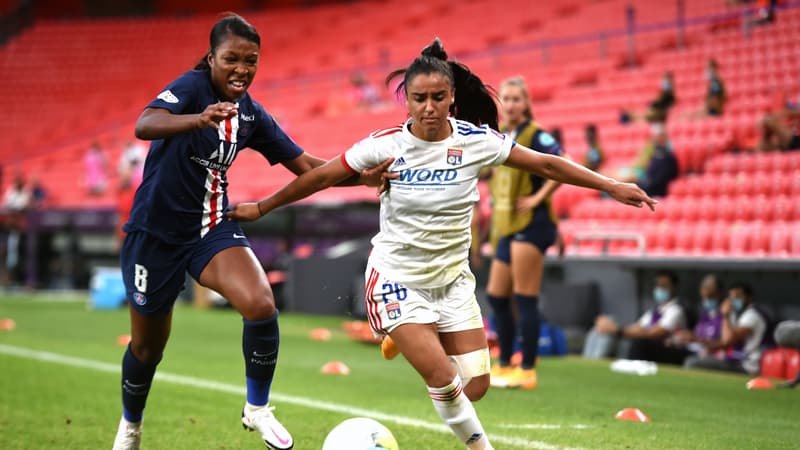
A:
[424,236]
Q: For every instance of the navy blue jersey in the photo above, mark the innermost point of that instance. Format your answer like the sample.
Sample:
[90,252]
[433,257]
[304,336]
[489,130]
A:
[183,194]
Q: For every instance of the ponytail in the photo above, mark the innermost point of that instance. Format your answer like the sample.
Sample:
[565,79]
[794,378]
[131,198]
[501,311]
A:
[474,101]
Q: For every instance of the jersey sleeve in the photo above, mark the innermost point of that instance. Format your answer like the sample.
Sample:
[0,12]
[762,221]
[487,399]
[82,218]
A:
[270,140]
[498,147]
[672,319]
[645,320]
[179,95]
[750,319]
[363,155]
[544,142]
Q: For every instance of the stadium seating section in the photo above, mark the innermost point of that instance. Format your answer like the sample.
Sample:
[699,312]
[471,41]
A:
[74,82]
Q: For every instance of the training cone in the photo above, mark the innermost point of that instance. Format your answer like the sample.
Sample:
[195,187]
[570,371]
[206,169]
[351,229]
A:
[760,383]
[7,324]
[335,368]
[123,340]
[632,414]
[321,334]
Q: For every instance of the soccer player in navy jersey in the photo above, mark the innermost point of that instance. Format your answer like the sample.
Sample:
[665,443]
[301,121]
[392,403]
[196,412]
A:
[197,126]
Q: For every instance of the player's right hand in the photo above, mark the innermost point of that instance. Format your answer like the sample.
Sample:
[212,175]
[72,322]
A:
[244,212]
[216,113]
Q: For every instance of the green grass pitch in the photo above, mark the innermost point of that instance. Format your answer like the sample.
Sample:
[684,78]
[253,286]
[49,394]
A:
[59,389]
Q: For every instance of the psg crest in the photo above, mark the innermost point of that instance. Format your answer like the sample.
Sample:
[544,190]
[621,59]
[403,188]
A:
[454,156]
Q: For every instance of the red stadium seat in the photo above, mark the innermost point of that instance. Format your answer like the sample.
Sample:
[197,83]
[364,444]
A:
[779,241]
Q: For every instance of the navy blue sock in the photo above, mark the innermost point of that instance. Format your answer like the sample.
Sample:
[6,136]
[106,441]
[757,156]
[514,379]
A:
[529,328]
[136,380]
[504,325]
[260,341]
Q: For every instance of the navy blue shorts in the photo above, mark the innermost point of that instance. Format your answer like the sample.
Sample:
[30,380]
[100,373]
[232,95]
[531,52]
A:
[154,271]
[542,235]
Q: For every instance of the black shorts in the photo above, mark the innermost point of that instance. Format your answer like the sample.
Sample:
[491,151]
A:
[154,271]
[542,235]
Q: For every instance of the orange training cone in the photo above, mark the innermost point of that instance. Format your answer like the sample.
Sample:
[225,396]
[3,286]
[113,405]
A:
[7,324]
[321,334]
[335,368]
[123,340]
[760,383]
[632,414]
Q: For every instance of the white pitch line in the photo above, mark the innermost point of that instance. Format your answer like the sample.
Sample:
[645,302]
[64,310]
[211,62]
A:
[100,366]
[543,426]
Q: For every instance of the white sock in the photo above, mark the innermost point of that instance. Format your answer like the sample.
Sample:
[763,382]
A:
[457,412]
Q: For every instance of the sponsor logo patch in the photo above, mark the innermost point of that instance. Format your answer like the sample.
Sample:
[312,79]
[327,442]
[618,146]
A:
[168,97]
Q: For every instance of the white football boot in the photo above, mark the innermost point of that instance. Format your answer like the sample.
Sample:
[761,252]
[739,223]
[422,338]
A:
[272,432]
[129,436]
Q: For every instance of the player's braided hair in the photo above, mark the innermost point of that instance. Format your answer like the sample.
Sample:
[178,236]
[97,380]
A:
[230,24]
[474,101]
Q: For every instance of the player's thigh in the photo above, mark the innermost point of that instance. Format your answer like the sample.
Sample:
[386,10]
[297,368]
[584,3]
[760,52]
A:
[420,345]
[468,352]
[526,268]
[237,275]
[499,284]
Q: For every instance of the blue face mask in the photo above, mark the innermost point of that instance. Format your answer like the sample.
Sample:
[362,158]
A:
[660,295]
[710,304]
[738,304]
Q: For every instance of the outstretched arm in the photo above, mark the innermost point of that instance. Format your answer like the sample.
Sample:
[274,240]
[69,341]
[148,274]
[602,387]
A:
[158,123]
[308,183]
[566,171]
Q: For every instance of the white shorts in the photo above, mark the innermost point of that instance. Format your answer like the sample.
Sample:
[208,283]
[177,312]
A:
[452,307]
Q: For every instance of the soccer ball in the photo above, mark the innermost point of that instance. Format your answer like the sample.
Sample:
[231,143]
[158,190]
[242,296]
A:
[360,433]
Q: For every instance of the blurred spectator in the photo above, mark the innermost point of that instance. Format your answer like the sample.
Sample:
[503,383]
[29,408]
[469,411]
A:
[644,339]
[655,166]
[17,198]
[780,129]
[594,155]
[38,192]
[96,170]
[658,110]
[709,325]
[765,12]
[15,201]
[787,334]
[131,161]
[715,95]
[362,92]
[742,336]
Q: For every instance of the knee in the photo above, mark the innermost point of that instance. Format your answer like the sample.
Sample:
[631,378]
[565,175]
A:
[440,376]
[148,353]
[477,387]
[257,304]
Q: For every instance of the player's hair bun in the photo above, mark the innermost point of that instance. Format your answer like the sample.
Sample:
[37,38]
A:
[435,50]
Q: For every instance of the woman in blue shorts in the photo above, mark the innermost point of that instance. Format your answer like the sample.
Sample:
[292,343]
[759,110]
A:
[197,126]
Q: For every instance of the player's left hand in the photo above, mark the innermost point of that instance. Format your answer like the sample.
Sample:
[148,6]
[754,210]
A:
[244,212]
[631,194]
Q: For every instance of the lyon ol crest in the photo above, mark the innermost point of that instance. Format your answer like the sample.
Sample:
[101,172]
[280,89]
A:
[454,156]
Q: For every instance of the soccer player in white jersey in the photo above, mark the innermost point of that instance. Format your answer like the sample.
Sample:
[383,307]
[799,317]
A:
[419,289]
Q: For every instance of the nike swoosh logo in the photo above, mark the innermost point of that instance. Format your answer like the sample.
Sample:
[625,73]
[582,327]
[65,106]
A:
[238,236]
[134,385]
[282,441]
[262,355]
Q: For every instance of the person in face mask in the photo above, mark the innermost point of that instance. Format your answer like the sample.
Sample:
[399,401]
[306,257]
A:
[709,324]
[715,95]
[644,339]
[741,337]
